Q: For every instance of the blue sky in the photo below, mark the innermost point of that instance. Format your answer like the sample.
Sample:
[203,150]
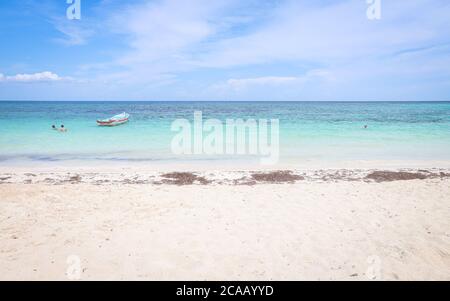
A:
[225,50]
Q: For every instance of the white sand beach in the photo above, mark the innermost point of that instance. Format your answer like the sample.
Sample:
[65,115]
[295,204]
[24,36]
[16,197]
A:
[319,225]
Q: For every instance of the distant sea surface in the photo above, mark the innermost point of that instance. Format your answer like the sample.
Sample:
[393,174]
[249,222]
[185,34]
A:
[308,130]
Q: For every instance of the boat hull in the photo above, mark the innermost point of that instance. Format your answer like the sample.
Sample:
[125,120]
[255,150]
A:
[114,121]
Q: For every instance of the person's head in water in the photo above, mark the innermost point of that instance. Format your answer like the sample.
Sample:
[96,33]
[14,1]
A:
[365,126]
[62,128]
[54,127]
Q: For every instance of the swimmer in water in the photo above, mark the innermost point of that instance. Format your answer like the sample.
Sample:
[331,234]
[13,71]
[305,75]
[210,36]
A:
[62,129]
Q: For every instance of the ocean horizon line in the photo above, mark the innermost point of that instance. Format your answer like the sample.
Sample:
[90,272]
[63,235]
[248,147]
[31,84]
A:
[239,101]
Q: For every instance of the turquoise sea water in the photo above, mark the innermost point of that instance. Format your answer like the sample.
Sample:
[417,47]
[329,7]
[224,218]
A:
[308,130]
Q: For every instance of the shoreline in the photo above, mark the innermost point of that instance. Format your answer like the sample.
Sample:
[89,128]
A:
[231,177]
[219,177]
[215,166]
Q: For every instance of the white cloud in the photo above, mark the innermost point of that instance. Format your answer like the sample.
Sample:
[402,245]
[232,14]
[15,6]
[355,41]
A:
[333,33]
[258,81]
[73,35]
[271,87]
[71,32]
[45,76]
[164,37]
[170,37]
[244,83]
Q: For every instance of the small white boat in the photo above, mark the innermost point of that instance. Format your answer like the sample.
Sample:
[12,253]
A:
[115,120]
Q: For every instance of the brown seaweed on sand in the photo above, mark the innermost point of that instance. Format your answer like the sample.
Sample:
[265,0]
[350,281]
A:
[183,178]
[389,176]
[73,179]
[282,176]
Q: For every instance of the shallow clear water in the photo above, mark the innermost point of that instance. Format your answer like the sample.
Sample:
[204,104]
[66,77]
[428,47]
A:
[308,130]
